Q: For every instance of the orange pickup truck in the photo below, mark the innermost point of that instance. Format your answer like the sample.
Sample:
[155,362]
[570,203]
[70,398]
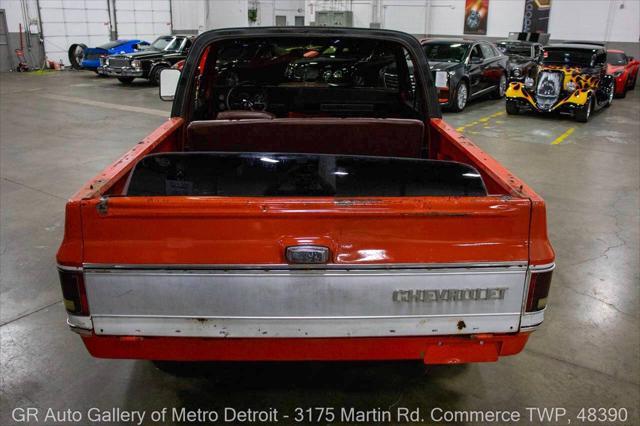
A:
[305,201]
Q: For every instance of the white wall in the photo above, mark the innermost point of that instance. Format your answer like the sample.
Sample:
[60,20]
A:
[66,22]
[85,21]
[225,14]
[590,21]
[143,20]
[602,20]
[15,16]
[268,9]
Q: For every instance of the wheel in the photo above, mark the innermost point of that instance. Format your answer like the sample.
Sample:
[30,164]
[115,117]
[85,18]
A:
[633,85]
[501,89]
[125,80]
[154,78]
[583,114]
[512,108]
[612,92]
[76,55]
[460,97]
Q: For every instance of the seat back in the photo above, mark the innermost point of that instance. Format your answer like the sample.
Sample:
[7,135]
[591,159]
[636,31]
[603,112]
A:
[384,137]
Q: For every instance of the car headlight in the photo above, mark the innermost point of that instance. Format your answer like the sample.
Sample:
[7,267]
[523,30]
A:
[135,63]
[617,74]
[106,61]
[517,72]
[529,82]
[442,79]
[337,75]
[571,86]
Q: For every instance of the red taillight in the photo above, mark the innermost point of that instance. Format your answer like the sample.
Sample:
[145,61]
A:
[73,292]
[538,290]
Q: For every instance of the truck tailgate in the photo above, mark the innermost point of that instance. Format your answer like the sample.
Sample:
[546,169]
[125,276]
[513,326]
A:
[215,266]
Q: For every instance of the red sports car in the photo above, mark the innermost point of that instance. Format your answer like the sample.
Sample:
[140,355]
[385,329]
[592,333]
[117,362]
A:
[624,70]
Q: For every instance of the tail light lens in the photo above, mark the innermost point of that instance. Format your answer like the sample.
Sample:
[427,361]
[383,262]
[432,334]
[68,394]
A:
[73,292]
[538,290]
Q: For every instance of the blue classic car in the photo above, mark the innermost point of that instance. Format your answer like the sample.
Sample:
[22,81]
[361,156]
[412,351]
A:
[88,58]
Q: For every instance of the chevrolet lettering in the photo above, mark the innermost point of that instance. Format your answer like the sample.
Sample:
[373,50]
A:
[449,295]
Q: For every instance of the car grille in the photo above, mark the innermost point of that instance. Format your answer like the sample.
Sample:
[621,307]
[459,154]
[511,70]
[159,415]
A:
[548,88]
[118,63]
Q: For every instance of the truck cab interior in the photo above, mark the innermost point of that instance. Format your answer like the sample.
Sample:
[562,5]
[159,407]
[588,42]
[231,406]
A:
[304,77]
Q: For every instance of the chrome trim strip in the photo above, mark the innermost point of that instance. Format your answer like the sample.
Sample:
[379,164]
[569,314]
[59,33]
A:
[269,318]
[70,268]
[543,268]
[284,266]
[480,92]
[532,320]
[82,322]
[285,273]
[259,328]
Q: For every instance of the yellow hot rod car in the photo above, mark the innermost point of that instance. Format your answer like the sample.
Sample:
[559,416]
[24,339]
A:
[571,79]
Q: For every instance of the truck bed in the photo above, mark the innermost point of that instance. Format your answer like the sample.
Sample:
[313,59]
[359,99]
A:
[214,267]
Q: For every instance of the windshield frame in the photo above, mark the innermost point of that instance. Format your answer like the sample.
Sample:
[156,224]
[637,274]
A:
[573,61]
[621,55]
[173,41]
[508,45]
[425,88]
[451,44]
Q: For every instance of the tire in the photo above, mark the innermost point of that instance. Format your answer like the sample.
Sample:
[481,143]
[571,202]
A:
[635,79]
[125,80]
[154,76]
[460,97]
[512,108]
[501,89]
[583,114]
[75,54]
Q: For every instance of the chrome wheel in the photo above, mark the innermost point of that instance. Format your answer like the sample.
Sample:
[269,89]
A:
[503,86]
[462,96]
[611,93]
[76,55]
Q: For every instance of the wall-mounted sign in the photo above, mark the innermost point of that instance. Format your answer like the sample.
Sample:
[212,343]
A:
[475,16]
[536,16]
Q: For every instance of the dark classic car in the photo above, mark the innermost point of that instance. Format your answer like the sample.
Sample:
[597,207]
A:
[624,69]
[237,62]
[466,69]
[340,64]
[161,54]
[523,57]
[572,78]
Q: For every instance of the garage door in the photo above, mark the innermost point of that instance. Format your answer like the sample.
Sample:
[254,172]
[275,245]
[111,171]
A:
[143,20]
[65,22]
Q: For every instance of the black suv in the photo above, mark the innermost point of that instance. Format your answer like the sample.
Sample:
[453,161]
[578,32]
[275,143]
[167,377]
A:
[162,53]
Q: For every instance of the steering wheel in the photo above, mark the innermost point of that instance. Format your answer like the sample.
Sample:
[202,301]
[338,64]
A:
[246,96]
